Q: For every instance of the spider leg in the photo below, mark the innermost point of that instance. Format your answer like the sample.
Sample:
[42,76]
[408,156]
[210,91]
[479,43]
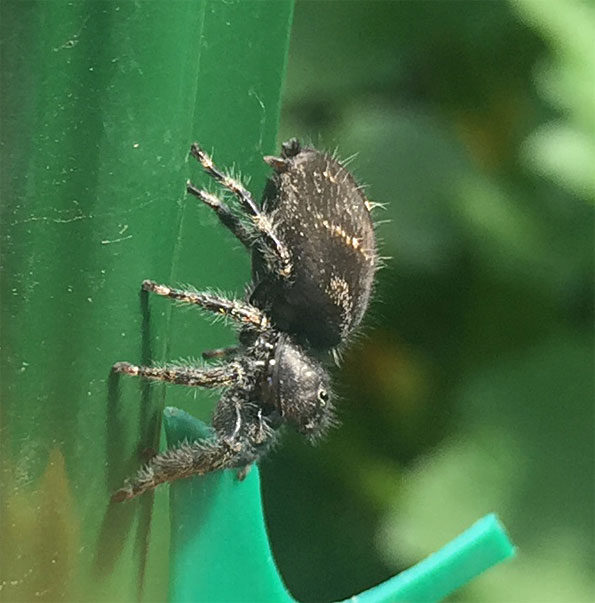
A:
[218,376]
[221,352]
[249,440]
[262,223]
[238,310]
[243,196]
[191,458]
[227,218]
[243,472]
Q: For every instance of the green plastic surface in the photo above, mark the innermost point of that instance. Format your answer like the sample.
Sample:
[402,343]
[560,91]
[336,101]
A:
[477,549]
[100,103]
[220,551]
[219,547]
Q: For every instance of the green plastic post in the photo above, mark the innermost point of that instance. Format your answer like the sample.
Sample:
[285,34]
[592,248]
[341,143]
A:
[477,549]
[220,550]
[219,547]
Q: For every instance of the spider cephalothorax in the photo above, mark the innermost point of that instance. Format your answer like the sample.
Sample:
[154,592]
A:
[314,258]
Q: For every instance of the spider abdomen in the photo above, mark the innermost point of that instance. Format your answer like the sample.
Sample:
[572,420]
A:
[323,217]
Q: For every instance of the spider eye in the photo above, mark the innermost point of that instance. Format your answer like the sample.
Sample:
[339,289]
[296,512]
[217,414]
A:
[323,395]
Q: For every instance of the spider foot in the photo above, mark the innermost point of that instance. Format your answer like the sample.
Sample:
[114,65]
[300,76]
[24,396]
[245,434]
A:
[126,368]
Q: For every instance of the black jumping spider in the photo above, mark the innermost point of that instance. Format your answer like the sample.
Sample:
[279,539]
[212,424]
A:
[313,262]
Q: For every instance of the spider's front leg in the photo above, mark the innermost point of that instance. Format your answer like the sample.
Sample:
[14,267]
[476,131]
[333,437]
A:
[252,437]
[195,458]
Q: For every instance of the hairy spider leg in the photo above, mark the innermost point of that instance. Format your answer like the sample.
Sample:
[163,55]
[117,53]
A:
[243,195]
[195,458]
[249,440]
[219,376]
[241,311]
[261,221]
[227,352]
[227,218]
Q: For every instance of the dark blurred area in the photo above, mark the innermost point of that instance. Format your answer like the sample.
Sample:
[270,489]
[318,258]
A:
[471,388]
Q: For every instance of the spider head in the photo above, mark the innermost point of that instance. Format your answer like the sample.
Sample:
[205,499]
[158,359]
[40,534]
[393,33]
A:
[302,388]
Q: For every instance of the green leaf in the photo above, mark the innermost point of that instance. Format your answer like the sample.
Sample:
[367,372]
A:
[101,102]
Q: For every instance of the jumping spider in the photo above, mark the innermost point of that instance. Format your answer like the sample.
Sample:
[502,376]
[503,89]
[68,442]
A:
[313,263]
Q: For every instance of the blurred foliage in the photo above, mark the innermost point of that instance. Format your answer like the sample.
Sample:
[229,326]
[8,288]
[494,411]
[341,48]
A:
[565,149]
[471,389]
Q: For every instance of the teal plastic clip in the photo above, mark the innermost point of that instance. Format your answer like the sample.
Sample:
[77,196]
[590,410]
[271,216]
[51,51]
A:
[220,550]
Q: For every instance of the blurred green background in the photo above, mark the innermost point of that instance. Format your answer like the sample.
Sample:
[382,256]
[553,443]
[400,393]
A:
[471,389]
